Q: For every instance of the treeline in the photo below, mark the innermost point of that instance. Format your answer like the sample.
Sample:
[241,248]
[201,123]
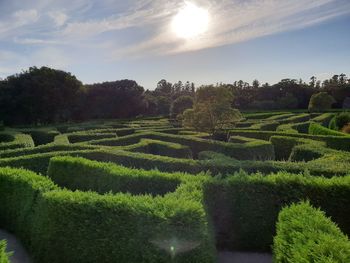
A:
[44,95]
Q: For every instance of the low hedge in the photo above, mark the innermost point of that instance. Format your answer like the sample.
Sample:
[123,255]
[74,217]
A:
[86,175]
[324,119]
[160,148]
[64,226]
[19,190]
[284,145]
[244,208]
[317,129]
[334,142]
[15,140]
[296,119]
[251,150]
[41,136]
[305,234]
[4,256]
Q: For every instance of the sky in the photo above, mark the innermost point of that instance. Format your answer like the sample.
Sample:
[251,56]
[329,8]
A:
[106,40]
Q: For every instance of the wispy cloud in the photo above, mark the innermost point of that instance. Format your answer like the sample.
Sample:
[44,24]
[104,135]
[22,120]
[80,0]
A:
[118,29]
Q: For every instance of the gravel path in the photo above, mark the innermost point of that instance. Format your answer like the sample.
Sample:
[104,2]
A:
[241,257]
[19,253]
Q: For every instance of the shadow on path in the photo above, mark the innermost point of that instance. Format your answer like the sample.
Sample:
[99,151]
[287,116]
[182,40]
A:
[20,255]
[242,257]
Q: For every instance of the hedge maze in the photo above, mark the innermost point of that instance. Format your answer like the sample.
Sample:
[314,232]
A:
[149,191]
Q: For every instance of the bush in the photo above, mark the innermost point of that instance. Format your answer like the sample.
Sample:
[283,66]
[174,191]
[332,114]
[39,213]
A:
[4,256]
[127,228]
[317,129]
[42,136]
[321,101]
[86,175]
[15,140]
[245,207]
[339,121]
[19,191]
[305,234]
[252,150]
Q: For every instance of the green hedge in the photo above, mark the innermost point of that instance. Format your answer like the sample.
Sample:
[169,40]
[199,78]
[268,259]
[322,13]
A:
[317,129]
[245,207]
[64,226]
[15,140]
[82,174]
[251,150]
[284,146]
[4,256]
[160,148]
[41,136]
[335,142]
[324,119]
[19,191]
[305,234]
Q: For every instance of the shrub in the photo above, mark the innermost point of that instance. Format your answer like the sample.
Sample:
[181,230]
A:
[248,205]
[82,174]
[317,129]
[4,256]
[42,136]
[15,140]
[125,227]
[340,120]
[305,234]
[19,190]
[321,101]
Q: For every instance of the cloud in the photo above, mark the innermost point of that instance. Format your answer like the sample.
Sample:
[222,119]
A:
[24,17]
[58,17]
[119,29]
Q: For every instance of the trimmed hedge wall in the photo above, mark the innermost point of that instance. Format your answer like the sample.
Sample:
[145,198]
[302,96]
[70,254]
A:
[245,208]
[42,136]
[86,175]
[249,151]
[15,140]
[305,234]
[317,129]
[56,225]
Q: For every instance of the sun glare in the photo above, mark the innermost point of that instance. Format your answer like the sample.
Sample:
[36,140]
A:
[191,21]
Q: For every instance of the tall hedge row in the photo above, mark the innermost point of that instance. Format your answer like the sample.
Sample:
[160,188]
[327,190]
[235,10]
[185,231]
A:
[306,234]
[4,256]
[245,208]
[64,226]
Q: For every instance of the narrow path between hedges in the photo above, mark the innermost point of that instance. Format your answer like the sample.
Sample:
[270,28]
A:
[19,255]
[244,257]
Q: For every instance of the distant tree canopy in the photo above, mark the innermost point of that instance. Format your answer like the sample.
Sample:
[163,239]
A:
[212,110]
[44,95]
[181,104]
[117,99]
[39,96]
[321,102]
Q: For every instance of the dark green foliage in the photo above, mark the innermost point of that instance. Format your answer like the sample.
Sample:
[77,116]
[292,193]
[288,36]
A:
[41,137]
[13,140]
[127,227]
[321,101]
[252,150]
[317,129]
[245,207]
[39,96]
[339,121]
[181,104]
[85,175]
[4,256]
[19,190]
[305,234]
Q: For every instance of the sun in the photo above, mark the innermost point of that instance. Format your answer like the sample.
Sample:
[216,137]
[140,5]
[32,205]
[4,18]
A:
[191,21]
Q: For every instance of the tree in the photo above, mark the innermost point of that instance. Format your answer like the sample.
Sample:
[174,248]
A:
[212,111]
[313,81]
[180,105]
[39,96]
[321,101]
[163,105]
[256,84]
